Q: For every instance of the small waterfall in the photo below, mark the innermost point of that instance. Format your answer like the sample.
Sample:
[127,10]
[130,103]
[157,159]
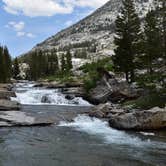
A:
[27,94]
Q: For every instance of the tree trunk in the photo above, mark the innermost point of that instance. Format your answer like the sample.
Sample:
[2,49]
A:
[127,76]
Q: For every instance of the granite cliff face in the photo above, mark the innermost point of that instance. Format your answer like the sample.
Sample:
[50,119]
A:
[94,33]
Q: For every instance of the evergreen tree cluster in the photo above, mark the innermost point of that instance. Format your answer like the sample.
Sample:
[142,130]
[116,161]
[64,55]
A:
[47,63]
[5,65]
[15,69]
[137,47]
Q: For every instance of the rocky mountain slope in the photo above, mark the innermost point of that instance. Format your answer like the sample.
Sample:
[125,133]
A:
[94,33]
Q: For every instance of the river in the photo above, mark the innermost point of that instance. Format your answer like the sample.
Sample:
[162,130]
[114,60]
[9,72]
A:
[83,142]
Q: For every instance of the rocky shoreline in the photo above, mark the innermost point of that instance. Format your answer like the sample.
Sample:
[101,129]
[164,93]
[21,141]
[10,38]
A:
[10,111]
[137,120]
[106,95]
[5,102]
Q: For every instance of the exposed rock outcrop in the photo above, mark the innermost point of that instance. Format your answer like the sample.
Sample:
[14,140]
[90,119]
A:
[110,89]
[5,94]
[140,120]
[6,105]
[122,119]
[96,30]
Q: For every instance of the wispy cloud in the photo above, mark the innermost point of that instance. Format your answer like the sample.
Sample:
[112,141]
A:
[30,35]
[20,34]
[35,8]
[19,28]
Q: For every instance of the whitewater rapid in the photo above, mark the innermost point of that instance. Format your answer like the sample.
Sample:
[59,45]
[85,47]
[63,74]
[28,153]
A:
[27,94]
[102,130]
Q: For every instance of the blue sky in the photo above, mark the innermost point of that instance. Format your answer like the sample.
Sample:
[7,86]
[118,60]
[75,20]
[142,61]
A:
[24,23]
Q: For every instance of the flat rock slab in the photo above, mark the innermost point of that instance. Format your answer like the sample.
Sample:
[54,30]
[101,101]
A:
[21,119]
[44,115]
[6,105]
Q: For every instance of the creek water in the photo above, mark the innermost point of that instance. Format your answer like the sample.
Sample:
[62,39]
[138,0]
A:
[83,142]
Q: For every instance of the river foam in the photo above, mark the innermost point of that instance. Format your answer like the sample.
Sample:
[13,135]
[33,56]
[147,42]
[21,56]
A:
[109,135]
[27,94]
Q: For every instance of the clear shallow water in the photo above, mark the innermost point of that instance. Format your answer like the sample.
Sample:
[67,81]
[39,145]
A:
[83,142]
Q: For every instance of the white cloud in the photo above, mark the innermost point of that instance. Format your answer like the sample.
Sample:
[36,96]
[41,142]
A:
[35,8]
[30,35]
[17,26]
[20,34]
[25,34]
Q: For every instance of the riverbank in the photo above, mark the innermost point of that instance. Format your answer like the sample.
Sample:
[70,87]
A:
[63,133]
[131,107]
[6,93]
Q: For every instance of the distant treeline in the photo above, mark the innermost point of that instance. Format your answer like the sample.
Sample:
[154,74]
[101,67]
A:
[8,68]
[5,65]
[44,64]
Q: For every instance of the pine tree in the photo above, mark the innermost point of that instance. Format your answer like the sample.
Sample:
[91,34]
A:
[7,64]
[127,40]
[69,64]
[63,64]
[16,70]
[161,15]
[55,61]
[1,65]
[152,45]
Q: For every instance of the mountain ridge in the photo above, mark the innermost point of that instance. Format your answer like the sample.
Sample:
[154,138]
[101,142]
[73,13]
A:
[96,29]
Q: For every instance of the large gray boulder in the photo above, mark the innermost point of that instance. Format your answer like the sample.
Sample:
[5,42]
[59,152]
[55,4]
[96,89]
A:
[111,89]
[140,120]
[105,111]
[6,105]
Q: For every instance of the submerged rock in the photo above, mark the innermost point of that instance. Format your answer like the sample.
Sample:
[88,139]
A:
[140,120]
[46,99]
[69,97]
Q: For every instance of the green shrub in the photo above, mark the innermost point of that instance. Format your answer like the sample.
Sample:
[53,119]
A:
[91,69]
[153,99]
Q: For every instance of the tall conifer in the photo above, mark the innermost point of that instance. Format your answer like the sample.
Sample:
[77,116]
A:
[152,44]
[127,40]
